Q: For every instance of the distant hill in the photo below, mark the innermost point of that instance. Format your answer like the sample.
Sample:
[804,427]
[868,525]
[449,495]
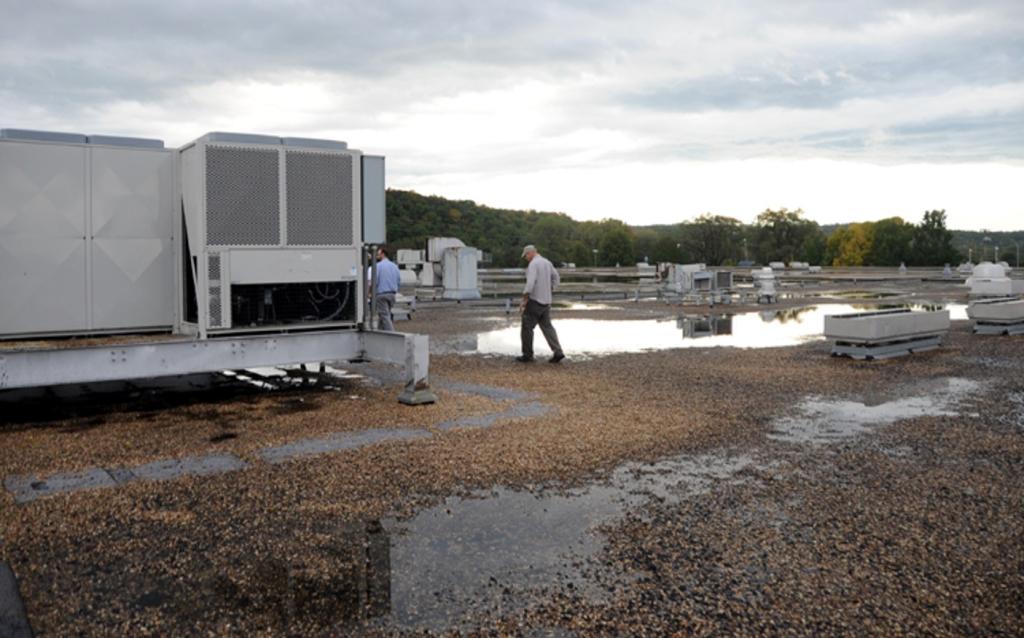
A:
[975,242]
[500,232]
[984,243]
[412,218]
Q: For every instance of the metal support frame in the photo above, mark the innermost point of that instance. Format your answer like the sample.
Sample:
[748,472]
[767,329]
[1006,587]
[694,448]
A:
[371,320]
[992,328]
[410,350]
[886,349]
[115,362]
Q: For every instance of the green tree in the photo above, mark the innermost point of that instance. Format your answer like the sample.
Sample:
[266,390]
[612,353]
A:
[813,249]
[850,245]
[779,235]
[553,235]
[713,239]
[616,244]
[580,254]
[645,241]
[892,241]
[932,243]
[666,249]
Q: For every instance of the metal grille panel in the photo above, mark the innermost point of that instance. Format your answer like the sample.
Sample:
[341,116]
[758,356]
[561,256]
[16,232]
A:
[242,197]
[216,312]
[319,191]
[213,274]
[213,261]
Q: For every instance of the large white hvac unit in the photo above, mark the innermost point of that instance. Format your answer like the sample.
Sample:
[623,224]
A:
[274,232]
[459,275]
[86,234]
[231,233]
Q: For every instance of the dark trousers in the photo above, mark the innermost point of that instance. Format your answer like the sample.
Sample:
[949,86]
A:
[385,301]
[537,313]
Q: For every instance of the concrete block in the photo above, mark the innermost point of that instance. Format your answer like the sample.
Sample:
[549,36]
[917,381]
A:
[193,465]
[885,325]
[337,442]
[1006,310]
[29,488]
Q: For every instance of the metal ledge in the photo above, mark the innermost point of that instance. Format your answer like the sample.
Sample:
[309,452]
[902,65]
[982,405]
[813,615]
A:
[991,328]
[116,362]
[887,349]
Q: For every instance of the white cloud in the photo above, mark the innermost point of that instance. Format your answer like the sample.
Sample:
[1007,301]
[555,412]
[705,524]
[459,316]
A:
[829,191]
[651,111]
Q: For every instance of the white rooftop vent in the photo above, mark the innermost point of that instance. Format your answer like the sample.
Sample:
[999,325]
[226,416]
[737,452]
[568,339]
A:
[990,280]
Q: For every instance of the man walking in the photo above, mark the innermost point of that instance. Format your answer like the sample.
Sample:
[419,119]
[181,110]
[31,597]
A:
[541,280]
[387,288]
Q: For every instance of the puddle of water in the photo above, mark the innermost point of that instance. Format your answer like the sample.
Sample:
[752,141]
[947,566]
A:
[763,329]
[463,555]
[467,554]
[820,421]
[582,305]
[1016,416]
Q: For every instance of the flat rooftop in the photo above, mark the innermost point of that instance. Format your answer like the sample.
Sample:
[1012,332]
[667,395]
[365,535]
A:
[680,488]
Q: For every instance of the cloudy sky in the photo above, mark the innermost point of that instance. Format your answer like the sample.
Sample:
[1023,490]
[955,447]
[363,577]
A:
[646,111]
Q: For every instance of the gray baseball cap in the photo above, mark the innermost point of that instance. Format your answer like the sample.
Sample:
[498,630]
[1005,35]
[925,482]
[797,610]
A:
[529,248]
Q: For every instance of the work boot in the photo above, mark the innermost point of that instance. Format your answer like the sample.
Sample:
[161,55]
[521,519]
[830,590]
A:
[558,356]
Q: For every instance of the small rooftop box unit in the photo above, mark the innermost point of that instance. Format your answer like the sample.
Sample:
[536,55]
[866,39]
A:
[702,281]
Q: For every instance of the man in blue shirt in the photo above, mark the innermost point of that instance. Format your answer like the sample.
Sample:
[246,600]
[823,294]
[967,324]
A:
[387,288]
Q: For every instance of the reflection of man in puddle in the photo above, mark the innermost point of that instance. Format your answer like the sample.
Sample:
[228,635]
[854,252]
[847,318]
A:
[541,280]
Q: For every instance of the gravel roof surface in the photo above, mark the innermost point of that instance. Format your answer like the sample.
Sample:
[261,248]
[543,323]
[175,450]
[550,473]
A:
[916,527]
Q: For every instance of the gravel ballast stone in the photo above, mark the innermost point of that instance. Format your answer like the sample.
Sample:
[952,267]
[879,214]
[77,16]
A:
[906,525]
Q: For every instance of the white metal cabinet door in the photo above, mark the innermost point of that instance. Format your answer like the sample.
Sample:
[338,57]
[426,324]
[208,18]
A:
[42,238]
[132,254]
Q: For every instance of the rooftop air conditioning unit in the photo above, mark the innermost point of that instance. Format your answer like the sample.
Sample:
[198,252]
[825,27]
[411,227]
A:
[86,234]
[273,232]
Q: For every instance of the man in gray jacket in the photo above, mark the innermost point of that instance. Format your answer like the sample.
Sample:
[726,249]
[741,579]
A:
[541,280]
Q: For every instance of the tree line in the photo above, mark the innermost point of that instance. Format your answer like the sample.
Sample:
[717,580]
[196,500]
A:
[776,235]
